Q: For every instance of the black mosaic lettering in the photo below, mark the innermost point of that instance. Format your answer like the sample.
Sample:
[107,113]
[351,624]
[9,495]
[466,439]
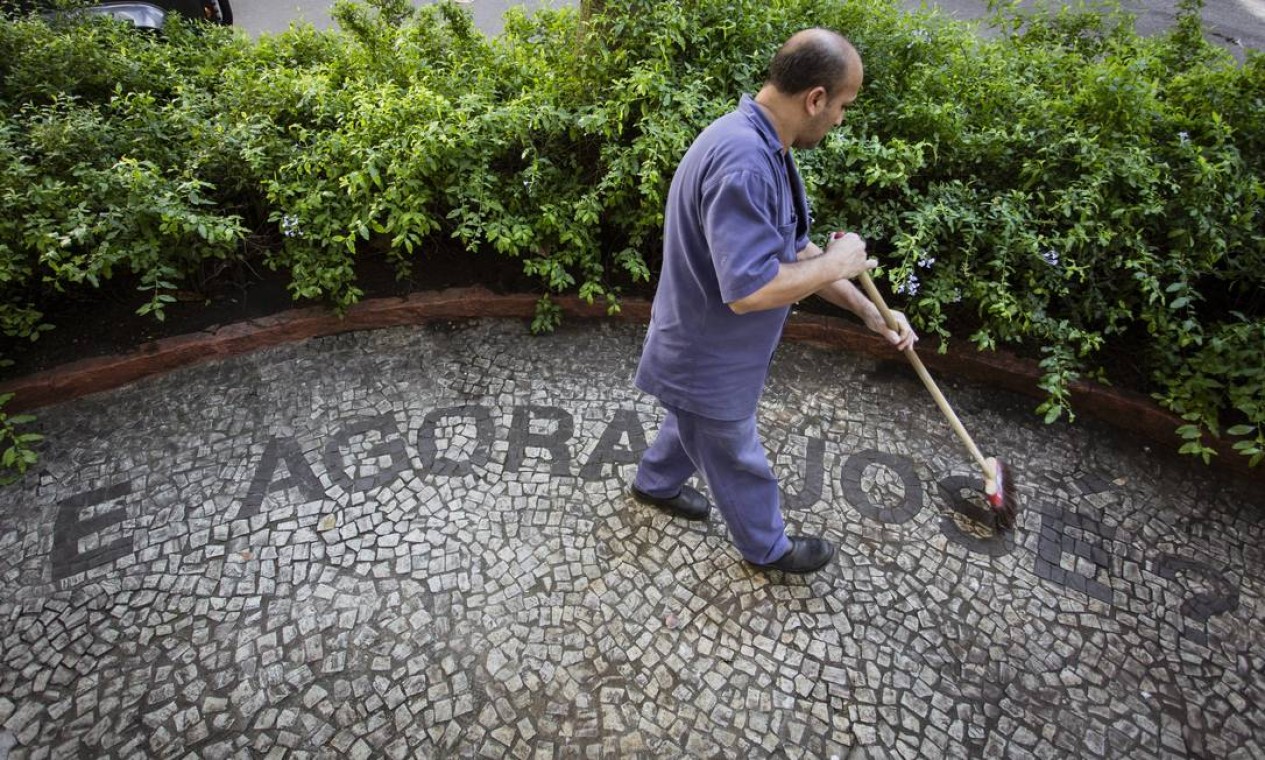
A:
[608,451]
[555,443]
[1220,596]
[809,491]
[523,613]
[69,528]
[300,476]
[850,484]
[366,476]
[999,544]
[427,440]
[1054,542]
[1092,483]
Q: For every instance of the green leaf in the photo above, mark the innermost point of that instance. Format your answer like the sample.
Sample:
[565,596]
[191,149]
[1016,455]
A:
[1190,432]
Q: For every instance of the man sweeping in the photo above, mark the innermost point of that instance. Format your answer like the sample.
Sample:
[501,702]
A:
[736,256]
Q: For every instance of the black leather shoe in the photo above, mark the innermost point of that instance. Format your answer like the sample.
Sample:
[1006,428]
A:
[807,553]
[689,503]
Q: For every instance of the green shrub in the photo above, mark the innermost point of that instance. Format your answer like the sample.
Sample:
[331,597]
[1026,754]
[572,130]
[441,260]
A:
[1069,189]
[1064,187]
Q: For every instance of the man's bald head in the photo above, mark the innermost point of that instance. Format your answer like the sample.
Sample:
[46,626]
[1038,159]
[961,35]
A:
[813,58]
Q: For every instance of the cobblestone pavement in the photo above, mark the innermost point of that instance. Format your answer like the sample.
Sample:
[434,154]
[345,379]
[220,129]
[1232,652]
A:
[415,542]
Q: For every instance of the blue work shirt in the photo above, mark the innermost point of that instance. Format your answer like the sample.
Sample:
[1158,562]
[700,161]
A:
[735,213]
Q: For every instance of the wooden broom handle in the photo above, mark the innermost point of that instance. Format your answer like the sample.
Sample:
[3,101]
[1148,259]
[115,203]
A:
[925,376]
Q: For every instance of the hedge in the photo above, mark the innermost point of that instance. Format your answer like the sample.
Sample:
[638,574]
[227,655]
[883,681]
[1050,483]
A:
[1062,187]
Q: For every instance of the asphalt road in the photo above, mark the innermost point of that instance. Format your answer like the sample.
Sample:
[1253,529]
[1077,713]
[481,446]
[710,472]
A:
[258,16]
[1238,24]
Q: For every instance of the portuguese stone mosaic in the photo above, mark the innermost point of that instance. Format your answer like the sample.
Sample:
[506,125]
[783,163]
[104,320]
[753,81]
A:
[416,543]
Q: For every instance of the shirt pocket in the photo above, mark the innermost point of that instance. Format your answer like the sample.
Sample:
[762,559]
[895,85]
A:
[787,232]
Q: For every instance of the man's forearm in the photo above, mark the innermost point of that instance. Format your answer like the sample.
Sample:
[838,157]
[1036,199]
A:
[793,283]
[813,271]
[844,294]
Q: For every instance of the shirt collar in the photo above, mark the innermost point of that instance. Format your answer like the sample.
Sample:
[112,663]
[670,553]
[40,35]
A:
[760,120]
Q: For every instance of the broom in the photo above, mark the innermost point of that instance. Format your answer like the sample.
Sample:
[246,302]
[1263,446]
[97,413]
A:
[999,489]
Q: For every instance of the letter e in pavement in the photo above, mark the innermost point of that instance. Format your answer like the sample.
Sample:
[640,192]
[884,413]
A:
[71,528]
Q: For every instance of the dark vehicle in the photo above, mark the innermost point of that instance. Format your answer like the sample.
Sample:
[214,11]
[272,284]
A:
[143,15]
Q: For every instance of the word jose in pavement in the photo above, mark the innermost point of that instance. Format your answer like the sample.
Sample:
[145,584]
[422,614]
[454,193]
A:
[1073,550]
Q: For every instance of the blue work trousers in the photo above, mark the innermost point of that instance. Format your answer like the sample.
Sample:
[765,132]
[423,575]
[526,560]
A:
[732,460]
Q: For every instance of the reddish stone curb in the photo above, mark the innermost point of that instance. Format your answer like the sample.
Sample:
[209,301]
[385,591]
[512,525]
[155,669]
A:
[1129,411]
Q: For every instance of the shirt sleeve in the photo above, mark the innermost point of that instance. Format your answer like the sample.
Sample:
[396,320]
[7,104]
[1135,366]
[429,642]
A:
[742,233]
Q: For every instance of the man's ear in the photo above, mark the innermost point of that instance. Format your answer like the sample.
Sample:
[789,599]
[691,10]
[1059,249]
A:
[815,101]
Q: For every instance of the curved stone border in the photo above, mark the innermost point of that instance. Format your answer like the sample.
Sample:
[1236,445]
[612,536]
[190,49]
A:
[1129,411]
